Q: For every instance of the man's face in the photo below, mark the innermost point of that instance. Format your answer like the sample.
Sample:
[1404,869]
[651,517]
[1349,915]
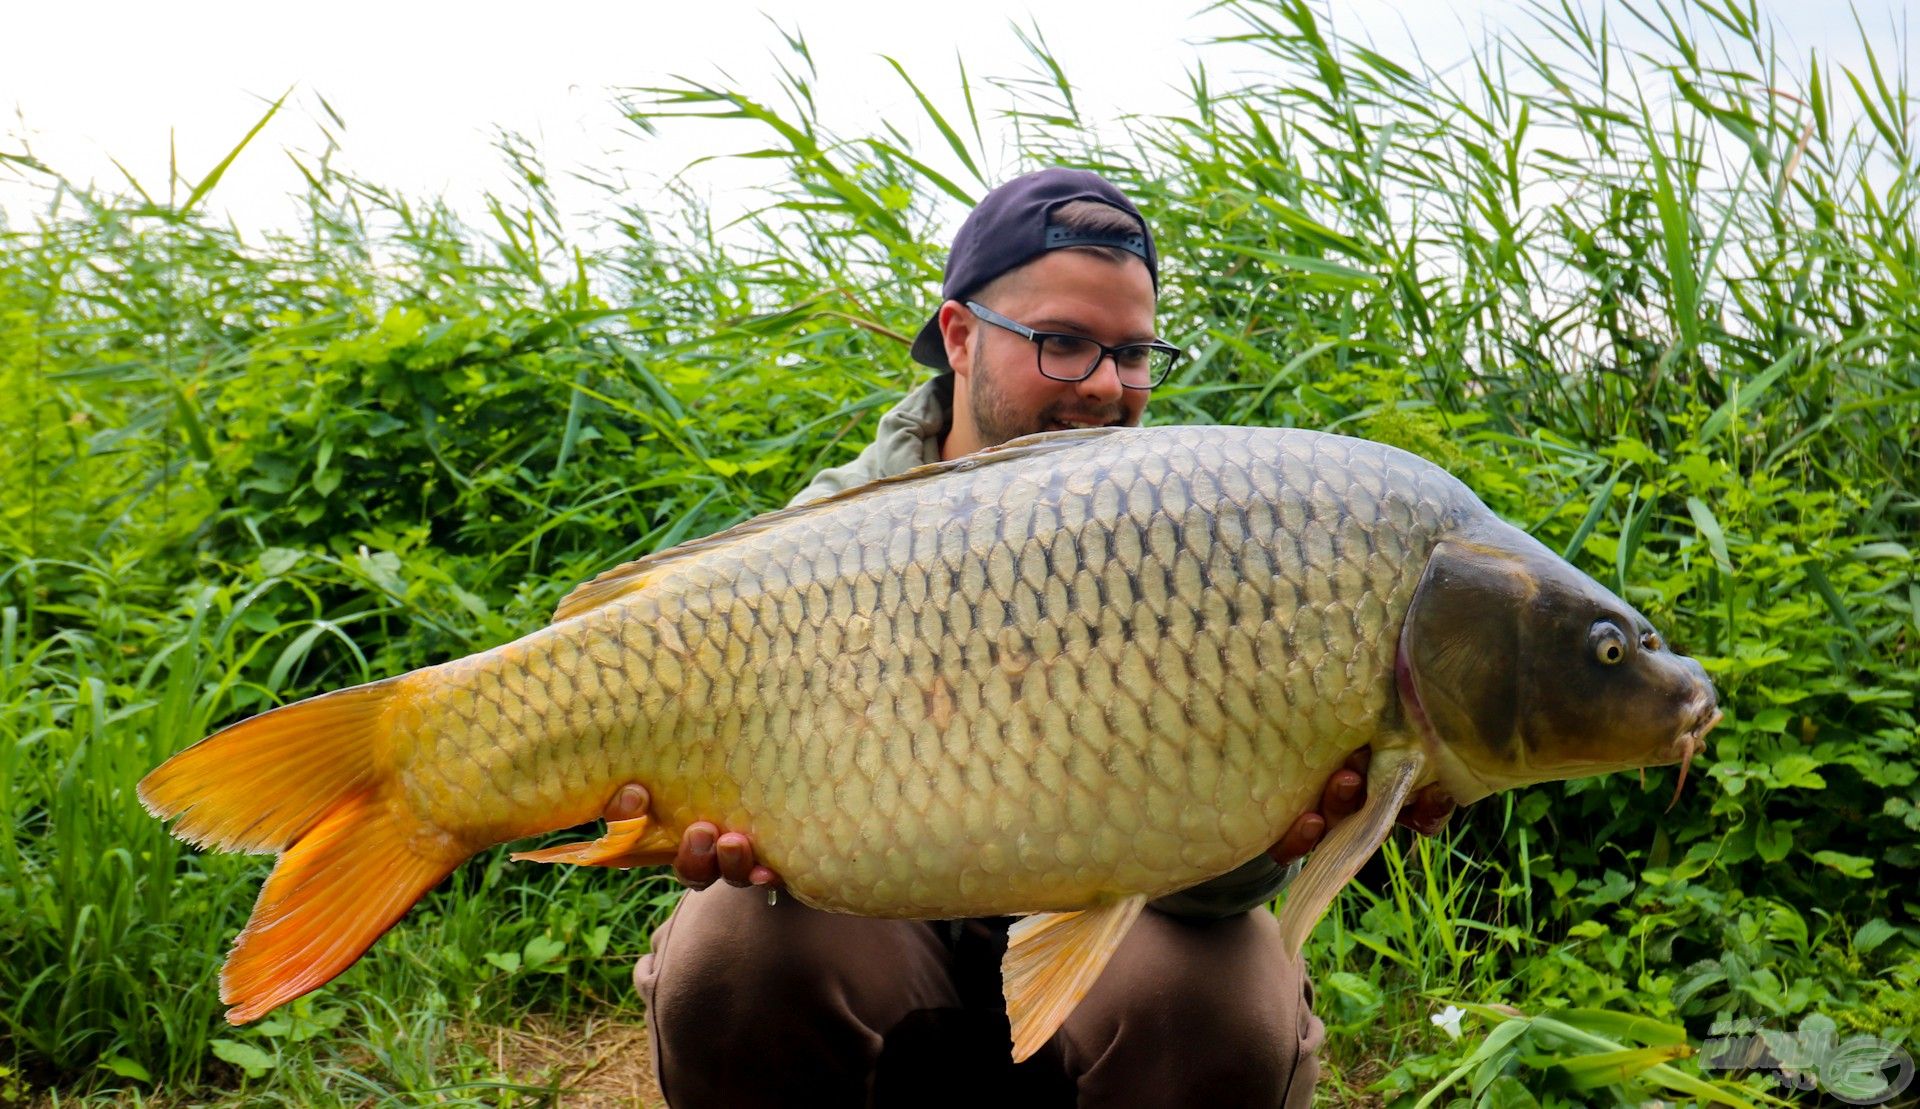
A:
[999,392]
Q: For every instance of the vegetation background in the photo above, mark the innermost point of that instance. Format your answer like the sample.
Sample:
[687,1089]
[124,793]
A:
[1669,325]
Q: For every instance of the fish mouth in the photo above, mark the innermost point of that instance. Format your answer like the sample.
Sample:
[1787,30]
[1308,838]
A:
[1690,742]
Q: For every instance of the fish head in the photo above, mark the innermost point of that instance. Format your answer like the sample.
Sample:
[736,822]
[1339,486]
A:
[1518,668]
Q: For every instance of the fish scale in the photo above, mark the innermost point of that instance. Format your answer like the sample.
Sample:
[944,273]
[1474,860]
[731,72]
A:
[1077,675]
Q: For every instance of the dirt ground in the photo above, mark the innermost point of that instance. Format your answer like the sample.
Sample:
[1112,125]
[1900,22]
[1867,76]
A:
[606,1063]
[603,1064]
[594,1063]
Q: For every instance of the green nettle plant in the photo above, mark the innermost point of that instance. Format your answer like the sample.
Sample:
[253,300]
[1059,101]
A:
[1646,284]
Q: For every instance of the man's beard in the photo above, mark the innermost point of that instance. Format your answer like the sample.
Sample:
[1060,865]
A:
[999,418]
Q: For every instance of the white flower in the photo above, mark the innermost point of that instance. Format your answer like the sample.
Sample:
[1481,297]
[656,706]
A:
[1449,1021]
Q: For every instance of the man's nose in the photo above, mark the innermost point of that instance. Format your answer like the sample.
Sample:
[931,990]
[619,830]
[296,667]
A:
[1104,382]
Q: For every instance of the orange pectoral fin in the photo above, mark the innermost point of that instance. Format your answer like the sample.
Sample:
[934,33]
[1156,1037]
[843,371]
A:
[628,843]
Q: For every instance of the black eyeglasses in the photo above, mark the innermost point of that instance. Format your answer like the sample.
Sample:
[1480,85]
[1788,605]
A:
[1065,357]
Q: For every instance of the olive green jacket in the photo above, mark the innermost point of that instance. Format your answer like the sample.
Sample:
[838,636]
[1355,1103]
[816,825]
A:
[910,435]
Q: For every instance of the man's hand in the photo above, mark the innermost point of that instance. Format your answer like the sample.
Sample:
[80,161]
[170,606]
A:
[1425,812]
[705,855]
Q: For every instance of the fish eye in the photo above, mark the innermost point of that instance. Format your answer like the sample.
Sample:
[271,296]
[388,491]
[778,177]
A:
[1608,642]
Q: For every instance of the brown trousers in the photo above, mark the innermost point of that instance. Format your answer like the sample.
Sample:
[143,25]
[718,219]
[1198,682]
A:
[756,1005]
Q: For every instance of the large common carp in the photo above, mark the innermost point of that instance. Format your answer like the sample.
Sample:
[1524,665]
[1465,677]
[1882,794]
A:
[1058,678]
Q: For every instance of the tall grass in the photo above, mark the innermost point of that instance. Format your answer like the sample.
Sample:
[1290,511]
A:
[1657,306]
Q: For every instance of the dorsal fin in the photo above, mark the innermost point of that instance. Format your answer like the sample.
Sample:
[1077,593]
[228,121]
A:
[632,576]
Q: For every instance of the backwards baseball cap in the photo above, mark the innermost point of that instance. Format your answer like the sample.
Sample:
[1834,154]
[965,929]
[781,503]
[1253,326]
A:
[1012,226]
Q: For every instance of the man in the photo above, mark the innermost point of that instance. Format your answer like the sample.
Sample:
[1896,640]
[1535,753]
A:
[753,999]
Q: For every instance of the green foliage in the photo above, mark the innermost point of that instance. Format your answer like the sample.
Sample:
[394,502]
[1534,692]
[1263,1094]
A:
[1669,324]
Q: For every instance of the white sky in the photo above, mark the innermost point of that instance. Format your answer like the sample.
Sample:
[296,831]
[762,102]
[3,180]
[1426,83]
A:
[423,86]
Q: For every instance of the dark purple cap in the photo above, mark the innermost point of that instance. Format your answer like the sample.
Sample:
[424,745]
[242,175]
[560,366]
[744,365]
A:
[1009,228]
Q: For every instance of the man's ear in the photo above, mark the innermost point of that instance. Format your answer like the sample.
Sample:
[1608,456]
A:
[957,329]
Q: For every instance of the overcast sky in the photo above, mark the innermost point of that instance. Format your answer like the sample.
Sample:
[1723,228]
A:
[423,87]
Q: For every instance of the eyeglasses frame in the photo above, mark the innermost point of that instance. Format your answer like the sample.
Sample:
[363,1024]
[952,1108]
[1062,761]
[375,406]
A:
[1037,338]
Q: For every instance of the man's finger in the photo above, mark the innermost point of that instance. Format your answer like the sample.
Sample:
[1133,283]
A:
[694,862]
[1427,811]
[1346,791]
[629,802]
[1301,838]
[735,852]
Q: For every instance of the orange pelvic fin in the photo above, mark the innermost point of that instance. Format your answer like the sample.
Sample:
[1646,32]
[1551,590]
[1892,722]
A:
[628,843]
[1052,961]
[310,781]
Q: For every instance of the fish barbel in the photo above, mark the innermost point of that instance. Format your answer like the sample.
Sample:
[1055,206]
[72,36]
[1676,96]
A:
[1059,677]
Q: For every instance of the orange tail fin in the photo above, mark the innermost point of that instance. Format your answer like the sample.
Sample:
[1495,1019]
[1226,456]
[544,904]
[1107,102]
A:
[309,781]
